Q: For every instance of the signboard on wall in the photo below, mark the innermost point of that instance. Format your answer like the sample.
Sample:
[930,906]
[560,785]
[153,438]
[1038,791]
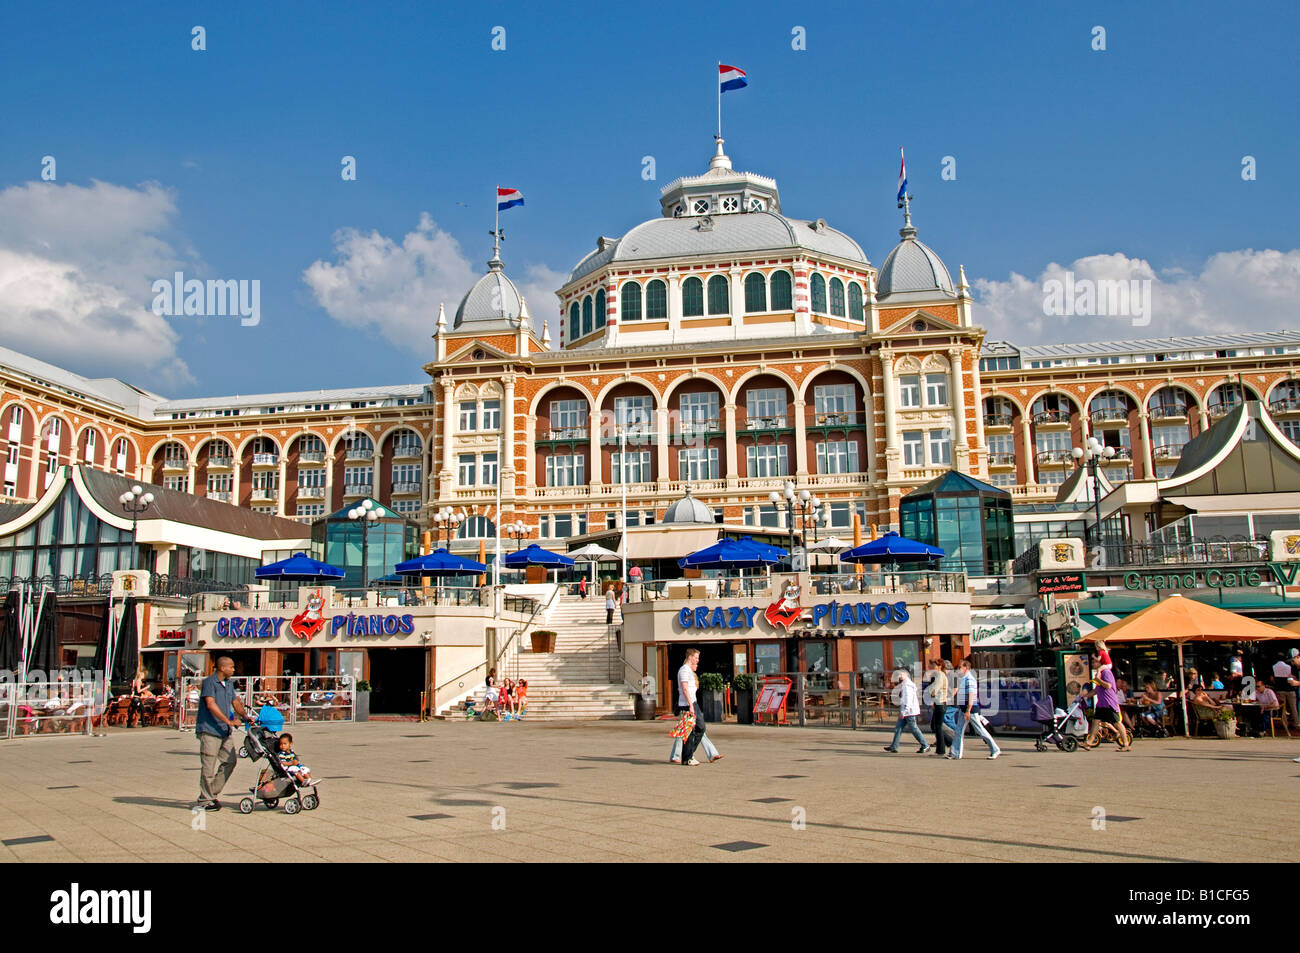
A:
[1062,582]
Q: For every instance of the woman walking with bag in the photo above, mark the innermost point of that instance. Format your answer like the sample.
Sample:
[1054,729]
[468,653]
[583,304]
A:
[938,689]
[967,711]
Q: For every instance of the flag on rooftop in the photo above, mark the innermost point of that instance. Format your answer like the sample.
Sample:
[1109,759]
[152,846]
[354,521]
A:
[507,198]
[731,77]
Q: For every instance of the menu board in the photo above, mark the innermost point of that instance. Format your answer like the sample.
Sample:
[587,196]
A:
[772,696]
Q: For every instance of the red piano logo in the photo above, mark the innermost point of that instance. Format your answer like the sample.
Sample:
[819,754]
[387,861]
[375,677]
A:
[310,620]
[785,611]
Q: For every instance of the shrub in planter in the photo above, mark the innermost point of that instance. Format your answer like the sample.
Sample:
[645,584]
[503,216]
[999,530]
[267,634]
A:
[362,700]
[743,687]
[543,640]
[1225,723]
[711,686]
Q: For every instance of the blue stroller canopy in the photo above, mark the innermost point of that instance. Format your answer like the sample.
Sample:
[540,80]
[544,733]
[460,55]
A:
[269,717]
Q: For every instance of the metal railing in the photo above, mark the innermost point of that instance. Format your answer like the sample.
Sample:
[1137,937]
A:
[1121,454]
[567,433]
[220,462]
[1215,411]
[311,492]
[1168,411]
[1284,405]
[1167,451]
[775,422]
[61,585]
[359,453]
[311,456]
[1052,417]
[845,418]
[47,708]
[266,459]
[221,496]
[406,488]
[1002,459]
[357,489]
[175,463]
[299,698]
[1054,456]
[998,420]
[1221,549]
[844,583]
[1109,415]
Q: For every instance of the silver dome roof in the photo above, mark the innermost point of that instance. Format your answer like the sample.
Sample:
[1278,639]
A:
[688,510]
[912,271]
[492,299]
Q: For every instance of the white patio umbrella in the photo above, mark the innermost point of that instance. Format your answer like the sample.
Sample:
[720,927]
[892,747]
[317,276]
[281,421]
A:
[592,553]
[831,544]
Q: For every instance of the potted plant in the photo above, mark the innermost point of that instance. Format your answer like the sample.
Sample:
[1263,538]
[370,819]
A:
[362,701]
[711,685]
[742,687]
[1225,723]
[543,640]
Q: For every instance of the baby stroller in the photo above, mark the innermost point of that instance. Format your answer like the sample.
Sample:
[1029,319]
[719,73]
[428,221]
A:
[1055,724]
[262,740]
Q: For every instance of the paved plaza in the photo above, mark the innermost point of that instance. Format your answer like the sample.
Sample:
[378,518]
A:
[595,791]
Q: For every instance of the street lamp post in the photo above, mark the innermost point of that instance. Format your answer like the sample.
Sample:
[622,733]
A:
[366,514]
[449,520]
[1090,455]
[802,504]
[135,501]
[518,531]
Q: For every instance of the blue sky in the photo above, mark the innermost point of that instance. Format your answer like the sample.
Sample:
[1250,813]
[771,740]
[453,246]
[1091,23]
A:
[1062,153]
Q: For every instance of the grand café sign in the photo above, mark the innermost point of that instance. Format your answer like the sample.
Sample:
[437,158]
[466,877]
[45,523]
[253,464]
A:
[1236,577]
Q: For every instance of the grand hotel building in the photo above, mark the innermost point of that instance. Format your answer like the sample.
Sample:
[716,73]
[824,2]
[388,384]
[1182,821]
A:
[721,346]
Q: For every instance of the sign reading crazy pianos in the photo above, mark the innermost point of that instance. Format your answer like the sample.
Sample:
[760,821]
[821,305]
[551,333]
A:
[788,610]
[234,627]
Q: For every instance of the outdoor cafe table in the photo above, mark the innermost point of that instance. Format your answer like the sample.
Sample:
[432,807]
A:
[1251,715]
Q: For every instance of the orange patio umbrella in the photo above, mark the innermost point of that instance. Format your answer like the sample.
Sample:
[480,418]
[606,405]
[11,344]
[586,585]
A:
[1178,619]
[1293,627]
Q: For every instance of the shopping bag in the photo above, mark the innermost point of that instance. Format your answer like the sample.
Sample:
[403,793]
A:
[685,725]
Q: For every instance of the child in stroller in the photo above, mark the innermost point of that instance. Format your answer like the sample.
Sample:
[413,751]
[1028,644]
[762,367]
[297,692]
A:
[1055,724]
[277,780]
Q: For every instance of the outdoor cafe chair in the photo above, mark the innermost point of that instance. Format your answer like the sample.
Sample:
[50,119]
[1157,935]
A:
[1275,715]
[1203,716]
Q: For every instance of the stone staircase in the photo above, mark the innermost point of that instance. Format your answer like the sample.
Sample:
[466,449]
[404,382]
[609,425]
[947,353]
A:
[572,683]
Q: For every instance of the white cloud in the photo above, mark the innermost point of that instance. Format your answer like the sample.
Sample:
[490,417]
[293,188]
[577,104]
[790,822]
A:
[378,284]
[1244,290]
[76,264]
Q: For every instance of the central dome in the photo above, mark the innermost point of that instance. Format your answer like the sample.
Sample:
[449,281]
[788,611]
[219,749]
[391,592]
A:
[688,510]
[913,268]
[493,299]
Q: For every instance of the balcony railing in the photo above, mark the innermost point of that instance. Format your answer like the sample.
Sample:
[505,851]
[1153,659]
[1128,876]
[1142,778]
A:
[266,494]
[1221,549]
[311,456]
[360,453]
[1002,460]
[698,427]
[1168,451]
[1169,412]
[220,462]
[997,420]
[266,459]
[1122,455]
[1049,417]
[1285,405]
[405,489]
[775,422]
[838,479]
[1054,456]
[1215,411]
[357,489]
[844,418]
[175,463]
[221,496]
[311,492]
[566,434]
[1109,415]
[404,451]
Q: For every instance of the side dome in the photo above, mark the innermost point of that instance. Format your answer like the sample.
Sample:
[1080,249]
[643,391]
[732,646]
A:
[688,510]
[493,299]
[913,269]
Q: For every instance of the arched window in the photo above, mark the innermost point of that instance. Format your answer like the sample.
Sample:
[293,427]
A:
[855,302]
[586,316]
[656,300]
[782,300]
[600,308]
[755,293]
[837,297]
[692,298]
[631,307]
[477,527]
[818,294]
[575,322]
[719,295]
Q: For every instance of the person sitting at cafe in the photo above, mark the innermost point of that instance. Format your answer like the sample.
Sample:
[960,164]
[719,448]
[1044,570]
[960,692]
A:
[1266,697]
[1153,709]
[1216,683]
[1198,698]
[1167,683]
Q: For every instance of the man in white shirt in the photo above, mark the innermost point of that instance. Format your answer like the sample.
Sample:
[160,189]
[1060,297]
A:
[1284,683]
[909,706]
[687,701]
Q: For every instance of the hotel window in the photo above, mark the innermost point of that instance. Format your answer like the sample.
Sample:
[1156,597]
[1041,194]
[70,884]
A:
[181,483]
[630,309]
[940,447]
[11,488]
[311,478]
[488,469]
[359,444]
[1050,476]
[468,416]
[833,399]
[575,322]
[600,308]
[913,448]
[699,412]
[407,475]
[656,300]
[755,293]
[476,527]
[491,416]
[53,434]
[1165,471]
[569,417]
[909,390]
[818,294]
[1055,441]
[362,478]
[90,446]
[1003,478]
[719,295]
[837,297]
[855,302]
[587,324]
[266,480]
[635,415]
[564,525]
[405,506]
[697,463]
[12,454]
[264,510]
[692,298]
[220,482]
[468,470]
[631,467]
[769,460]
[841,514]
[1291,428]
[1169,435]
[407,443]
[767,516]
[782,294]
[936,390]
[1002,443]
[614,518]
[311,509]
[16,424]
[837,456]
[308,444]
[120,450]
[765,407]
[51,468]
[566,469]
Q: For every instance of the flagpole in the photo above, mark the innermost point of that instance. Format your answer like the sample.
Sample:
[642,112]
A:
[496,233]
[717,81]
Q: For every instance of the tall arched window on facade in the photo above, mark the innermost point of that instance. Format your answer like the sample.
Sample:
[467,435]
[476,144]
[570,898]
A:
[755,293]
[692,298]
[818,294]
[575,322]
[837,297]
[600,308]
[630,309]
[476,527]
[586,316]
[782,299]
[855,302]
[656,300]
[719,295]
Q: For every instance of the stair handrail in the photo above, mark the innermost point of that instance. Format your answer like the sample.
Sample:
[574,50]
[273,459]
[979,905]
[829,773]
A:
[515,639]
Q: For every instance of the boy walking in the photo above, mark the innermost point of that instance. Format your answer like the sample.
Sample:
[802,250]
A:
[967,705]
[909,706]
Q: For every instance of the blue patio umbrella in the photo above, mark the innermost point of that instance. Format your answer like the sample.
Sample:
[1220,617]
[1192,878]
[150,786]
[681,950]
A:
[775,553]
[439,563]
[534,555]
[300,568]
[732,554]
[892,548]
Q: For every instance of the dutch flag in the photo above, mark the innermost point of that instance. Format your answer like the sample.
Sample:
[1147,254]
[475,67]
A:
[902,176]
[508,198]
[731,77]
